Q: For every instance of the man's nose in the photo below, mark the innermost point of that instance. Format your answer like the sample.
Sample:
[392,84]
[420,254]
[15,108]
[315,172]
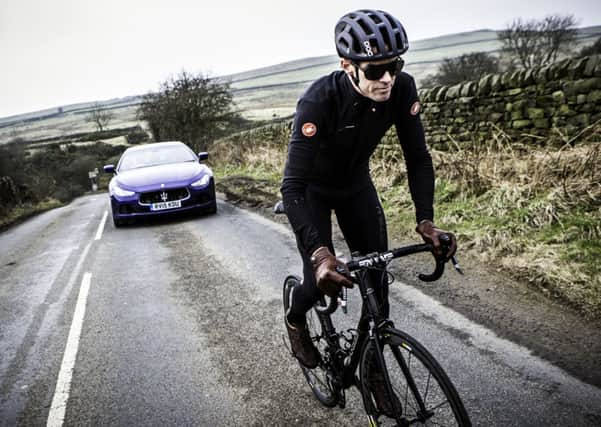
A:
[386,77]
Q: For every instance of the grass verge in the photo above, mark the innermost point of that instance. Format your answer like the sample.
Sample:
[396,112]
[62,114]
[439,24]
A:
[532,211]
[22,212]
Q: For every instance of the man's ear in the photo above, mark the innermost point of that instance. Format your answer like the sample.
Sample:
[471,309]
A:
[350,70]
[347,66]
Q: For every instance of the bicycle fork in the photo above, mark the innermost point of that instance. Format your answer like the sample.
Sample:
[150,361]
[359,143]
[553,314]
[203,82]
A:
[423,413]
[376,337]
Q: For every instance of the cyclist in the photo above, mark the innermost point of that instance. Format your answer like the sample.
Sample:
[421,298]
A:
[339,121]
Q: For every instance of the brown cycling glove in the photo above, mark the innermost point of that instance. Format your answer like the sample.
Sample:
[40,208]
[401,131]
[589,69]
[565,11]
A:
[329,281]
[430,234]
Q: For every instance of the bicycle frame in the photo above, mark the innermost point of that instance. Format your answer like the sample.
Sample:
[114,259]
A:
[371,315]
[339,362]
[378,325]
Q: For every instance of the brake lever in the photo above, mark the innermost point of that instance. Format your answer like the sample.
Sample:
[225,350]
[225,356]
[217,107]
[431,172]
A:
[446,241]
[456,265]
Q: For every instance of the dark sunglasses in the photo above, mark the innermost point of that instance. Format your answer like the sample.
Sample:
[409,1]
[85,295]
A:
[375,72]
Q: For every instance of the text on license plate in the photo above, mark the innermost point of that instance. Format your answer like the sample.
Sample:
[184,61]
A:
[166,205]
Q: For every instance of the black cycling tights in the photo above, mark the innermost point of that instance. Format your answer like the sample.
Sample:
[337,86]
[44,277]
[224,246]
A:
[361,220]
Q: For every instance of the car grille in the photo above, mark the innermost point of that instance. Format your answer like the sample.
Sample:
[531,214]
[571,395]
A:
[164,196]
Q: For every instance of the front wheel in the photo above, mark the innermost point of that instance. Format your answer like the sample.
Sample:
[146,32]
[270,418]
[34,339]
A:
[423,393]
[318,378]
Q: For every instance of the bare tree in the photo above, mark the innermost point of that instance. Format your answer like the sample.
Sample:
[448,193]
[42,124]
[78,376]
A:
[533,43]
[191,108]
[469,66]
[101,117]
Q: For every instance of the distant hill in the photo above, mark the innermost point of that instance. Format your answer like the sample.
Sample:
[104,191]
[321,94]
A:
[272,91]
[79,108]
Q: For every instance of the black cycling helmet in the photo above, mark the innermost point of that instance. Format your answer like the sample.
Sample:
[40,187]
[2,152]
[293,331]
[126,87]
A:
[370,35]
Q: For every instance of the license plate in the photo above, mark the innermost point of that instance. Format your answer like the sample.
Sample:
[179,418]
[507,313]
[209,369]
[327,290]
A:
[166,205]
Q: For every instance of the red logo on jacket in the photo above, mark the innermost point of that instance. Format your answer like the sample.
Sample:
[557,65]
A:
[309,129]
[415,108]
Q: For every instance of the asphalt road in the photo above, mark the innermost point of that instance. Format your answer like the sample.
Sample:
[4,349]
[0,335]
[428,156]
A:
[179,322]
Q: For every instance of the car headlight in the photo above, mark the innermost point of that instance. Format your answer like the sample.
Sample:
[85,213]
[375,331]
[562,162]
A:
[120,192]
[202,182]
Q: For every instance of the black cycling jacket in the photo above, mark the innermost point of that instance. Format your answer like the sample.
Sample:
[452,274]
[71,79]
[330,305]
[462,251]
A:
[335,131]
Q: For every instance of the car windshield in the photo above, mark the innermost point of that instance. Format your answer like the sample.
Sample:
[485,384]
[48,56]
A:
[153,156]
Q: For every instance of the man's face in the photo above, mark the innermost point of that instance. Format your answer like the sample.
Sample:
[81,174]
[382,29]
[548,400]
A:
[378,90]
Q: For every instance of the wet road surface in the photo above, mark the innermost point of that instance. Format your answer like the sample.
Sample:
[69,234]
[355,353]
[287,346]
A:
[180,323]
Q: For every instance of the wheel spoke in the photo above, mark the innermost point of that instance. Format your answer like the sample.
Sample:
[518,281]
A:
[425,393]
[425,398]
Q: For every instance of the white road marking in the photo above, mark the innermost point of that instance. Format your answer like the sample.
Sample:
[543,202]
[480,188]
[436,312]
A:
[101,226]
[56,416]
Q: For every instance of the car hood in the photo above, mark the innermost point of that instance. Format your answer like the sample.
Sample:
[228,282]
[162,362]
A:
[162,176]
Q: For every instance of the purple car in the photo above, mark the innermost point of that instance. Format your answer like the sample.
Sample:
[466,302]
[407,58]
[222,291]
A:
[160,178]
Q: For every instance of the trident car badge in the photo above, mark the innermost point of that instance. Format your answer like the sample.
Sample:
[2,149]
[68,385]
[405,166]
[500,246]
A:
[164,196]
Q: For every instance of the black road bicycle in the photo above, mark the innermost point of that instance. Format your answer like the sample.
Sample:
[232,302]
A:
[412,376]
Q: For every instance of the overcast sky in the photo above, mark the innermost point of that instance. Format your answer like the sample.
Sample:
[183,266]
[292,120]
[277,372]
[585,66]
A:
[57,52]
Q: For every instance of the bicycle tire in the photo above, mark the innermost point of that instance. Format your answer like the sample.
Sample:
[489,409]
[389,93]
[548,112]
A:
[318,378]
[441,400]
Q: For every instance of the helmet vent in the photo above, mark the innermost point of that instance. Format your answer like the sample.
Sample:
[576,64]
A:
[356,46]
[392,22]
[344,45]
[365,27]
[375,18]
[399,42]
[385,37]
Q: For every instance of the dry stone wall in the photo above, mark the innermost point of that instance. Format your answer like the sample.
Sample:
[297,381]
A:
[530,103]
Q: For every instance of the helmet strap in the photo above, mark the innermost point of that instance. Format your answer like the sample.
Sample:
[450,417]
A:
[356,76]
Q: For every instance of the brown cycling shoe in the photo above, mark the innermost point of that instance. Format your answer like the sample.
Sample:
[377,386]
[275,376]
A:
[302,347]
[386,406]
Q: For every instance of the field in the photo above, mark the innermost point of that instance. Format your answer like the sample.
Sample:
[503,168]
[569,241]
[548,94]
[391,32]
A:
[64,125]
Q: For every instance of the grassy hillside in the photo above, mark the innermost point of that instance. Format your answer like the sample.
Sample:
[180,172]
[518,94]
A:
[287,81]
[79,108]
[65,124]
[265,92]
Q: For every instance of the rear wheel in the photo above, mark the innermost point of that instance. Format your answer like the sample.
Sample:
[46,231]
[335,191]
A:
[425,393]
[318,378]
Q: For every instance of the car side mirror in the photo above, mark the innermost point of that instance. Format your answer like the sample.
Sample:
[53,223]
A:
[109,168]
[203,155]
